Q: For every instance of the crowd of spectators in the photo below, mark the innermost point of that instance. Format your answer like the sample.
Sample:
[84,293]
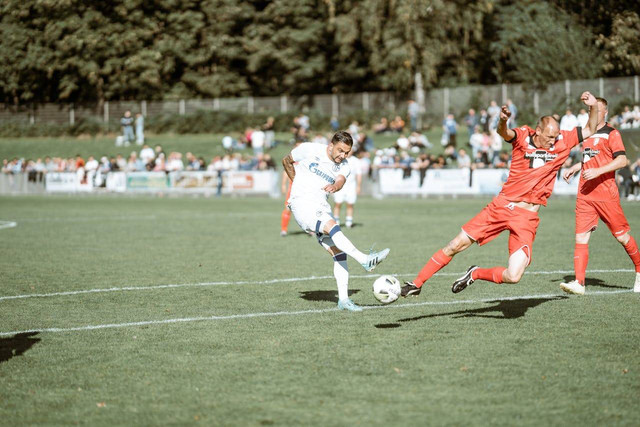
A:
[411,150]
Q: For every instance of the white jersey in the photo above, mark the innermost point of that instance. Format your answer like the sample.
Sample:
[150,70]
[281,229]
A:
[314,171]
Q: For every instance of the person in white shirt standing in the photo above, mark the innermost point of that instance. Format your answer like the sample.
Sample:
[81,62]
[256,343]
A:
[316,170]
[350,191]
[569,121]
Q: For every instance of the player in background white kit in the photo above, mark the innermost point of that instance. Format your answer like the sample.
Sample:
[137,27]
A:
[350,191]
[315,171]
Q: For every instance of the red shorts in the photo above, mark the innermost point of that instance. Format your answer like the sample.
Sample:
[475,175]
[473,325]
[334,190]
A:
[501,215]
[588,212]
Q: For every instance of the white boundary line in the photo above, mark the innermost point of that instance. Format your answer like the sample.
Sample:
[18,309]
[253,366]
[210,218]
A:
[7,224]
[291,313]
[260,282]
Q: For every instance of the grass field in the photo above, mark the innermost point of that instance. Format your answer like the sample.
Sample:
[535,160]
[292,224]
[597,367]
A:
[191,310]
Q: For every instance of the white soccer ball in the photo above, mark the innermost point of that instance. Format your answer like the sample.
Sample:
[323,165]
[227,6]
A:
[386,289]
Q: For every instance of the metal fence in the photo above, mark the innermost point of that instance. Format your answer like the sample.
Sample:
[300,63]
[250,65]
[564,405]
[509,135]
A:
[437,102]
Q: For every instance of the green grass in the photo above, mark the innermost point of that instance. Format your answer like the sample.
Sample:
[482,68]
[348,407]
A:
[474,358]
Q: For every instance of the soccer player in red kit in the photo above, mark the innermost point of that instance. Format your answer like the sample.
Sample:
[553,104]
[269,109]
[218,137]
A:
[603,154]
[536,157]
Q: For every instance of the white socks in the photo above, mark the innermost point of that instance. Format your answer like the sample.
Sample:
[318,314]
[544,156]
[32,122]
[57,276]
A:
[341,273]
[347,247]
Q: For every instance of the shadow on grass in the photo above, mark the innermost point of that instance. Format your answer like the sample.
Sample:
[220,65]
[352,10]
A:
[16,345]
[331,296]
[593,282]
[507,309]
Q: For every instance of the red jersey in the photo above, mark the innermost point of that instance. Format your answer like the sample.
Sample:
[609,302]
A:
[533,170]
[598,150]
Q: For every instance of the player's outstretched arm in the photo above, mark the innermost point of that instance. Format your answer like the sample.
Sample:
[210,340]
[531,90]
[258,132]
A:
[287,163]
[592,124]
[506,133]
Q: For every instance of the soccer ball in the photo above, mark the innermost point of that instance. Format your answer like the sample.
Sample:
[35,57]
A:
[386,289]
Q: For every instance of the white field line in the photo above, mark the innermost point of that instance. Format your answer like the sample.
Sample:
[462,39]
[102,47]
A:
[7,224]
[260,282]
[292,313]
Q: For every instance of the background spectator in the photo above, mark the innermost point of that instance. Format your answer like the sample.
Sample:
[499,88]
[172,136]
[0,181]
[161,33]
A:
[126,123]
[139,129]
[568,121]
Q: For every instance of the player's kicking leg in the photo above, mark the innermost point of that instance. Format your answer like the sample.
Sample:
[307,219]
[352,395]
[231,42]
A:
[368,262]
[437,262]
[518,262]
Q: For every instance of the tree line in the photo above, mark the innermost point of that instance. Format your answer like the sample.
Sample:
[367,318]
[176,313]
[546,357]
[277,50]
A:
[85,52]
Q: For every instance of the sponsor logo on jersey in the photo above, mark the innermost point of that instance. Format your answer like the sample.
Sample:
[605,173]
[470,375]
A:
[589,153]
[313,168]
[539,158]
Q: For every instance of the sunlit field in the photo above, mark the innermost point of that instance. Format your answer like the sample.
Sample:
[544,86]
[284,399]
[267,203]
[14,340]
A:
[149,310]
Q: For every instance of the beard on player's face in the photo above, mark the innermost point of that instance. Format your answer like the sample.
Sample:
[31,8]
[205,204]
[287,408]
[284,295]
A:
[338,151]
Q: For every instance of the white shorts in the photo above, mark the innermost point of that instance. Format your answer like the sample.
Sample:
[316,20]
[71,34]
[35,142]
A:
[311,216]
[349,196]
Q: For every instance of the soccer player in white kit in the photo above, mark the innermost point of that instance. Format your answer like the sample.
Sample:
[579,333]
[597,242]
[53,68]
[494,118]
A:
[315,171]
[350,191]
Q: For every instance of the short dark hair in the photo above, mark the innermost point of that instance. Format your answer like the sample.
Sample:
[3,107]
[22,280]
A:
[342,136]
[602,100]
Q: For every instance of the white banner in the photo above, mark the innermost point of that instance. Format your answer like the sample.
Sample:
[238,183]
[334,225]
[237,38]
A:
[67,182]
[489,181]
[436,181]
[570,189]
[117,182]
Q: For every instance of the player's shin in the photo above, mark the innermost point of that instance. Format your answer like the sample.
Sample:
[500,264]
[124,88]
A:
[580,261]
[632,250]
[494,274]
[438,261]
[341,273]
[344,244]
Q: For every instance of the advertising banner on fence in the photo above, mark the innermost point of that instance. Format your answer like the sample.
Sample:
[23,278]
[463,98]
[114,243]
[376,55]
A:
[67,182]
[117,182]
[147,181]
[488,181]
[194,181]
[436,181]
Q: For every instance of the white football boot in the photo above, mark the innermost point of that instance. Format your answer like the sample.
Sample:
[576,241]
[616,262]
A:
[636,287]
[573,287]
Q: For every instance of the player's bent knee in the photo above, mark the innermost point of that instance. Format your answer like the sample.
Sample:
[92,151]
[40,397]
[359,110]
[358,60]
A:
[512,277]
[583,238]
[624,239]
[334,251]
[458,244]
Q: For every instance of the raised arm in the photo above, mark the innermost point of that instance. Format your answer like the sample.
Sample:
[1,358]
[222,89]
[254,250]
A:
[287,163]
[506,133]
[592,124]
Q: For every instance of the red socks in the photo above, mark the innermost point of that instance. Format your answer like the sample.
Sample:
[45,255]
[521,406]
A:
[580,261]
[489,274]
[632,249]
[284,222]
[437,262]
